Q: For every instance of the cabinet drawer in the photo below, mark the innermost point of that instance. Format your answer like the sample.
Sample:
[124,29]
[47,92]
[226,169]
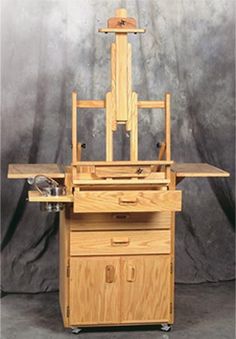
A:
[126,201]
[125,242]
[119,221]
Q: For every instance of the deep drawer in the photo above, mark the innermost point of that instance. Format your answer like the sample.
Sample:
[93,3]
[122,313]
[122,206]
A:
[126,201]
[119,221]
[119,242]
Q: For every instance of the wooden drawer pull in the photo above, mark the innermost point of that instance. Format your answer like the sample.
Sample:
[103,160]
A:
[120,241]
[131,273]
[110,273]
[128,201]
[121,216]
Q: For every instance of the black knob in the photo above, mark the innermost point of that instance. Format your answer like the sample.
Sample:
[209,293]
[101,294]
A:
[158,144]
[83,145]
[139,170]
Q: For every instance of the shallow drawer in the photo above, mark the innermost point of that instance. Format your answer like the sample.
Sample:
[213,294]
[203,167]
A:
[119,221]
[126,201]
[119,242]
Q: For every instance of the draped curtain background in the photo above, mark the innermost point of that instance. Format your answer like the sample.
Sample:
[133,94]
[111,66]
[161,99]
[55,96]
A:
[51,47]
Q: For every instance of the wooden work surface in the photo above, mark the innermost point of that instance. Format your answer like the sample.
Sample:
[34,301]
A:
[24,171]
[197,170]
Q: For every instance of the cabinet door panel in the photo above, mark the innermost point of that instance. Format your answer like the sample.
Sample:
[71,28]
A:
[94,290]
[145,286]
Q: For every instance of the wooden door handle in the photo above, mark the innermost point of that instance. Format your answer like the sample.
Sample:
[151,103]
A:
[131,273]
[128,201]
[122,241]
[110,274]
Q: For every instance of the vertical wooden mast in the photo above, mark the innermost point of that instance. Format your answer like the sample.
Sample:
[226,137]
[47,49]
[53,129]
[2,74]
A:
[121,102]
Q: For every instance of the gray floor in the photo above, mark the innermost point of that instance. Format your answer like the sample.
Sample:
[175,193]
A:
[203,311]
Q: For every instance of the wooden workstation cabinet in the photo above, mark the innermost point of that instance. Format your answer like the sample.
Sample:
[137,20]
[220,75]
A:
[117,227]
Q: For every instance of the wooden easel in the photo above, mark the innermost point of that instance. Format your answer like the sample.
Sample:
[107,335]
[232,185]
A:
[117,231]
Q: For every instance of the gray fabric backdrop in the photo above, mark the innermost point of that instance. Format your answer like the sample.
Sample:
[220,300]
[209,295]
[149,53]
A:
[50,48]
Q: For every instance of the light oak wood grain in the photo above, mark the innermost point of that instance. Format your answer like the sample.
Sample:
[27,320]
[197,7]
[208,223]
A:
[74,127]
[118,221]
[197,170]
[109,133]
[63,266]
[119,242]
[134,181]
[92,299]
[115,22]
[151,104]
[24,171]
[113,86]
[121,77]
[146,297]
[134,128]
[122,30]
[126,201]
[125,163]
[124,172]
[90,104]
[35,196]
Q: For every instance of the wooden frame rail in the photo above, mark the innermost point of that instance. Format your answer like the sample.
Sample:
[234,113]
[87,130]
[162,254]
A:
[96,104]
[123,163]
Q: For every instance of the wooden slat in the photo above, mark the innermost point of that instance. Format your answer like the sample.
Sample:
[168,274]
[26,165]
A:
[24,171]
[90,104]
[121,77]
[122,30]
[145,186]
[64,262]
[134,181]
[160,155]
[197,170]
[113,86]
[109,133]
[130,96]
[74,127]
[151,104]
[124,163]
[35,196]
[120,242]
[168,126]
[134,128]
[68,180]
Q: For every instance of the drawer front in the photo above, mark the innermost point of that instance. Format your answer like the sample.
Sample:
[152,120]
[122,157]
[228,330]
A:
[119,221]
[119,242]
[126,201]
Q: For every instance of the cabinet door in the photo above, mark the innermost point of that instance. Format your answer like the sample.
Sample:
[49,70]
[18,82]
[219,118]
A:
[94,290]
[145,288]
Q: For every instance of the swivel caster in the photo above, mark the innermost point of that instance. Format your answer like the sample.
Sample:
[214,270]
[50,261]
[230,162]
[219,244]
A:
[165,327]
[76,330]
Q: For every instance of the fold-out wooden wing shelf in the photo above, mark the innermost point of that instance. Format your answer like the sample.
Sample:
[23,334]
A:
[197,170]
[25,171]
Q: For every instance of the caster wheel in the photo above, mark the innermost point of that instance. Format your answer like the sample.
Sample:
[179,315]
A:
[165,327]
[76,330]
